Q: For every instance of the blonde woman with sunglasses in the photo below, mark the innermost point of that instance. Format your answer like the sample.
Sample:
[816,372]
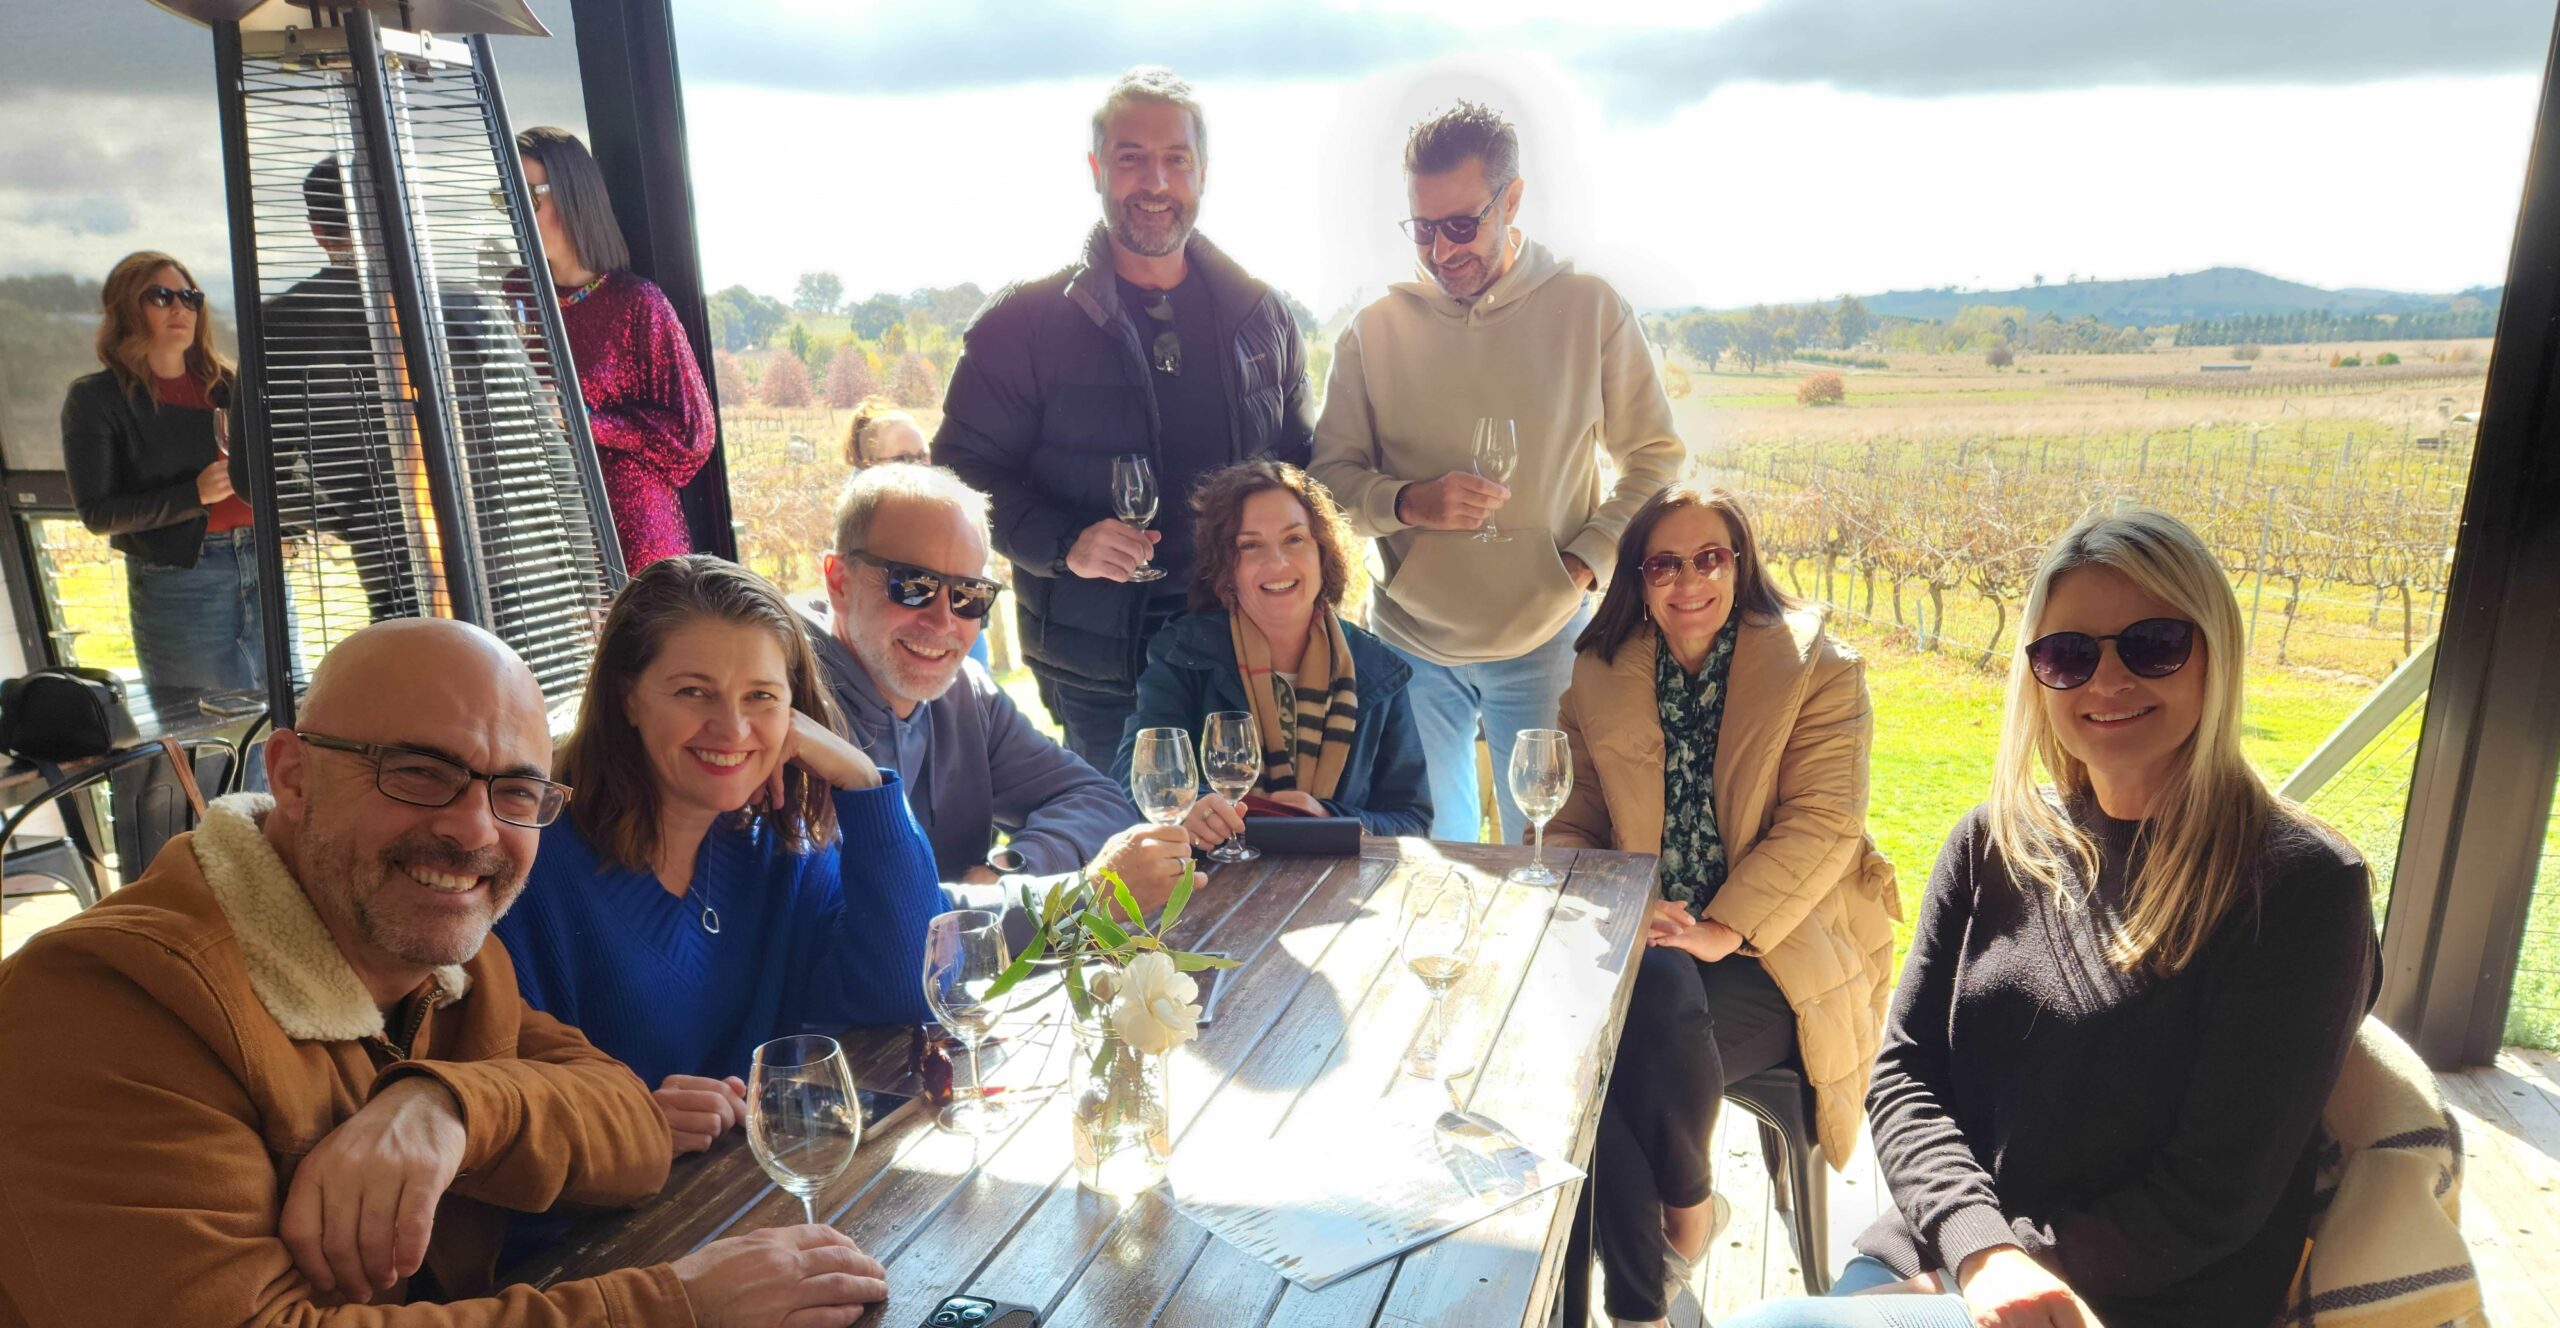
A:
[2134,978]
[147,441]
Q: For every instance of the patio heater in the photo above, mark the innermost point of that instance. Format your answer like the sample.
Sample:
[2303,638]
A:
[417,445]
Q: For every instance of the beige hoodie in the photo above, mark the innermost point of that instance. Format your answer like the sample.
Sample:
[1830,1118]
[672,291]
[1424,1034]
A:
[1555,350]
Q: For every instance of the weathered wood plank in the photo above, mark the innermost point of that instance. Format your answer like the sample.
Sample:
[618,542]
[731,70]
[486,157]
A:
[2510,1243]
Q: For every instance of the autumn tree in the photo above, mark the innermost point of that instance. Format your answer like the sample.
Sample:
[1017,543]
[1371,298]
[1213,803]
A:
[786,382]
[849,376]
[916,385]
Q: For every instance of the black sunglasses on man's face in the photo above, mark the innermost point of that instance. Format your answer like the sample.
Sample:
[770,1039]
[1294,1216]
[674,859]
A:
[1460,230]
[913,587]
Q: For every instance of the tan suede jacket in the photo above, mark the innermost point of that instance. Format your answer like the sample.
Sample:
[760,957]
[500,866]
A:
[1812,897]
[168,1057]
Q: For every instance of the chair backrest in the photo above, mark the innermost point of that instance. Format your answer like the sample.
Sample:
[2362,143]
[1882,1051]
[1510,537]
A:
[147,806]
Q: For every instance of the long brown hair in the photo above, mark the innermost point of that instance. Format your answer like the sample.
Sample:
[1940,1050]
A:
[578,190]
[1621,613]
[617,804]
[1219,499]
[124,340]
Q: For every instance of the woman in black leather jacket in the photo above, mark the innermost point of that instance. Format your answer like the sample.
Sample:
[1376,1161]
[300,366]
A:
[147,443]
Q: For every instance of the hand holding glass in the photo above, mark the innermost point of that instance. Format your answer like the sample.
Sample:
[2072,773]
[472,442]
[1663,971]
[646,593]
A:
[1541,779]
[1231,756]
[1133,500]
[1436,935]
[964,953]
[1497,449]
[804,1118]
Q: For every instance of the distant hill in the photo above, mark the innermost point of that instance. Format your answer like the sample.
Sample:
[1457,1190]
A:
[2220,292]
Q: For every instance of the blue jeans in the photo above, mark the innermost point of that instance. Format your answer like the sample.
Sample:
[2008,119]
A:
[1843,1308]
[198,628]
[1450,702]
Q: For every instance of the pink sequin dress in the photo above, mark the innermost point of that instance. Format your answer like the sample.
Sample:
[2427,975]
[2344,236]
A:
[646,405]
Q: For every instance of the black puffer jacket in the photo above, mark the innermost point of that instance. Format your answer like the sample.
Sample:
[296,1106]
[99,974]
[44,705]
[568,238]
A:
[133,468]
[1050,386]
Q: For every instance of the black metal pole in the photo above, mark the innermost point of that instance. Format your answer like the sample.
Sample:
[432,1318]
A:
[555,333]
[426,375]
[231,94]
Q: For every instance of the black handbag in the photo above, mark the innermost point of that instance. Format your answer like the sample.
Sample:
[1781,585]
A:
[64,714]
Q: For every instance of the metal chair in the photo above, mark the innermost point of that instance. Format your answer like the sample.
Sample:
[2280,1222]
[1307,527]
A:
[147,806]
[252,742]
[1782,1101]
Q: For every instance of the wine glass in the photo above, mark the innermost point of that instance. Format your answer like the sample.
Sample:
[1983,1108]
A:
[1133,500]
[1231,757]
[1541,779]
[1436,935]
[964,953]
[804,1118]
[1497,448]
[1161,776]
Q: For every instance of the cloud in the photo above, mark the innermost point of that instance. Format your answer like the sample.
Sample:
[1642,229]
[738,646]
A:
[1932,48]
[82,215]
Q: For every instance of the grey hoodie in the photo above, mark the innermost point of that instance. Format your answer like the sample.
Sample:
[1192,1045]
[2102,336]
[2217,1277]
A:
[1555,350]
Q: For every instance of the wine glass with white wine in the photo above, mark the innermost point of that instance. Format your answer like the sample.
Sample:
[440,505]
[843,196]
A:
[1497,449]
[1133,500]
[1162,779]
[804,1118]
[1541,779]
[964,954]
[1231,758]
[1436,935]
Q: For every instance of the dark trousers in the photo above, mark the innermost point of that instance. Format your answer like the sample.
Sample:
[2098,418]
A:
[1692,1028]
[1093,719]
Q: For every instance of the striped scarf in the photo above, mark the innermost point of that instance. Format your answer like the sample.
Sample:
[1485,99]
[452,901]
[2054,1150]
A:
[1306,722]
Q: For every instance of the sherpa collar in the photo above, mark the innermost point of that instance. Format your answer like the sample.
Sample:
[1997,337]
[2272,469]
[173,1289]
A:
[294,965]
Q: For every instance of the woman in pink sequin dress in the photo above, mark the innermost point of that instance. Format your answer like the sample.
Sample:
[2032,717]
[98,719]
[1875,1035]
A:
[646,404]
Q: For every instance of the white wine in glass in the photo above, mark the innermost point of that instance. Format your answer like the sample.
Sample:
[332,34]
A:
[964,953]
[1541,779]
[1436,936]
[1133,500]
[1497,450]
[1162,779]
[804,1118]
[1231,758]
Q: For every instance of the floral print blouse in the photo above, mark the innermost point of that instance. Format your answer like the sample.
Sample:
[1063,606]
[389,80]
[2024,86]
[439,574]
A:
[1692,710]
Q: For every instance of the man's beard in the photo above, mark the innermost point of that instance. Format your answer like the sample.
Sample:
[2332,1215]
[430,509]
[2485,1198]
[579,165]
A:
[903,675]
[366,886]
[1176,224]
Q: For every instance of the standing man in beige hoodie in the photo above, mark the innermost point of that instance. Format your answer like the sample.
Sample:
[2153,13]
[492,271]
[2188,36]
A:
[1497,328]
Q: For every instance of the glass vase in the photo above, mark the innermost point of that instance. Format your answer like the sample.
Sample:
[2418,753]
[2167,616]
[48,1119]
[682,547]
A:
[1122,1124]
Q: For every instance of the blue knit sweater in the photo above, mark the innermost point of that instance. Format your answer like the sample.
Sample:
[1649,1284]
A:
[800,947]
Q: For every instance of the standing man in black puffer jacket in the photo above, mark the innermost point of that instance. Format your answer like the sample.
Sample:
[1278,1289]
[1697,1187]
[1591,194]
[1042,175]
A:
[1155,343]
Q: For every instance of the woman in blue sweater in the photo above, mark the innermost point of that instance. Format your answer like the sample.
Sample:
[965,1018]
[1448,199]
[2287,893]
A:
[693,903]
[1338,736]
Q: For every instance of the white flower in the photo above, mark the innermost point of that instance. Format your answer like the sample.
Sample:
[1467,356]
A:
[1151,1006]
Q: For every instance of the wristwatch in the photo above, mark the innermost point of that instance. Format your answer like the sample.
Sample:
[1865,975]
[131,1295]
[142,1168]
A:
[1007,859]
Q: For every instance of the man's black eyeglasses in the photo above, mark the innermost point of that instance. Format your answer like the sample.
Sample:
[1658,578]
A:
[913,587]
[424,779]
[161,297]
[1166,351]
[1460,230]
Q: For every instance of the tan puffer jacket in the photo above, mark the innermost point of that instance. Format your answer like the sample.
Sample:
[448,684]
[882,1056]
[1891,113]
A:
[1812,897]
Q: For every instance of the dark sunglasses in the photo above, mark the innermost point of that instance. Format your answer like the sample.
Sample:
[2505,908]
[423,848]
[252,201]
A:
[2151,648]
[913,587]
[161,297]
[1712,563]
[1166,351]
[1460,230]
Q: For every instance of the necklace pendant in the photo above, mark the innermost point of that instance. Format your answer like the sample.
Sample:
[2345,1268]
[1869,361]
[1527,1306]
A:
[711,919]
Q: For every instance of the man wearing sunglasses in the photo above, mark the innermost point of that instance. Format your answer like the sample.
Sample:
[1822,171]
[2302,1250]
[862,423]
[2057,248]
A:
[1493,328]
[1156,344]
[906,601]
[281,1072]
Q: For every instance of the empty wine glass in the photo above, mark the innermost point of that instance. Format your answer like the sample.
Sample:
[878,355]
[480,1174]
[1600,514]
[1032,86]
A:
[1133,500]
[964,953]
[1497,449]
[1436,935]
[804,1118]
[1541,779]
[1231,758]
[1161,776]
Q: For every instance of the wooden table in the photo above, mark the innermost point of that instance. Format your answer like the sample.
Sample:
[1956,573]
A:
[1316,1020]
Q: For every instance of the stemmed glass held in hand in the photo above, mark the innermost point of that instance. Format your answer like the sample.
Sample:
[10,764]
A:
[1497,448]
[1231,757]
[1541,779]
[1133,500]
[964,953]
[804,1118]
[1436,935]
[1161,777]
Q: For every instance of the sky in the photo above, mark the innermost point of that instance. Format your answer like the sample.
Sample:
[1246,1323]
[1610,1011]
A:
[1715,152]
